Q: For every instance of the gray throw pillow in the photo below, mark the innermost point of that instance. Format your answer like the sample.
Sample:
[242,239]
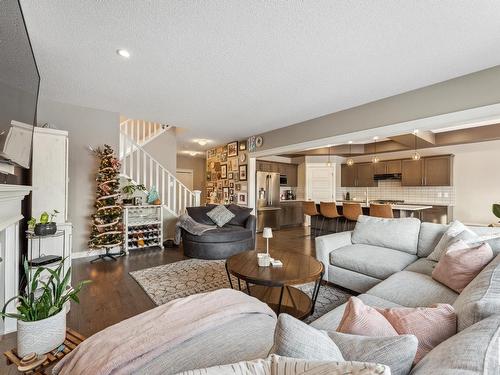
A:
[220,215]
[396,352]
[295,339]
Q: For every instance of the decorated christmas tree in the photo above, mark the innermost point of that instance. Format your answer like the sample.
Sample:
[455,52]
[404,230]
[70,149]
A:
[107,228]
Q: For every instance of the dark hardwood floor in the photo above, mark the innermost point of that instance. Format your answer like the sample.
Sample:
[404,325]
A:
[114,295]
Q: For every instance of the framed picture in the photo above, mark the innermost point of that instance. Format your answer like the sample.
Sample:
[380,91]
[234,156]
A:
[225,183]
[225,193]
[231,184]
[242,199]
[242,146]
[223,157]
[231,191]
[223,171]
[211,153]
[232,149]
[243,172]
[237,187]
[230,175]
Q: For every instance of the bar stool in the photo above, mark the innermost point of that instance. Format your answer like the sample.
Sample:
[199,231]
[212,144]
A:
[351,212]
[329,211]
[310,209]
[381,210]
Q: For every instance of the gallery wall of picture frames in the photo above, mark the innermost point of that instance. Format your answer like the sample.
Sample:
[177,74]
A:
[226,173]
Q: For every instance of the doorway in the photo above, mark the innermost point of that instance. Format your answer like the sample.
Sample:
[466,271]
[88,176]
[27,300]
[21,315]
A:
[185,176]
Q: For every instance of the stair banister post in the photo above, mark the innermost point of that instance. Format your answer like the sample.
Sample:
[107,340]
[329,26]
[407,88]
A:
[197,198]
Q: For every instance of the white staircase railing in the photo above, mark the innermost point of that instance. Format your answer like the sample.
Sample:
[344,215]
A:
[142,168]
[141,132]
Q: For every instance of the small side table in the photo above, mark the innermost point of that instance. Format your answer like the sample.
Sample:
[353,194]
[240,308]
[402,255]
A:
[73,339]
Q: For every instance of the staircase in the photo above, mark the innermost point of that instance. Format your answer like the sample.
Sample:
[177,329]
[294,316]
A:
[142,168]
[141,132]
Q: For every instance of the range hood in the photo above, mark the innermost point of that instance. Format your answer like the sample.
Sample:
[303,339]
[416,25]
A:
[387,176]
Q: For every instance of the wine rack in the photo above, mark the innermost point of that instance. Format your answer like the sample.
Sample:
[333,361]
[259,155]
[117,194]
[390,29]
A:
[143,227]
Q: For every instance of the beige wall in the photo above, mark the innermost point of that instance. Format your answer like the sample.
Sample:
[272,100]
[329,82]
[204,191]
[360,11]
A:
[466,92]
[164,149]
[86,126]
[476,178]
[198,166]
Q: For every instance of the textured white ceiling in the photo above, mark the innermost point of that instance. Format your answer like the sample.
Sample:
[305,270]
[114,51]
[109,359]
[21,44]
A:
[229,69]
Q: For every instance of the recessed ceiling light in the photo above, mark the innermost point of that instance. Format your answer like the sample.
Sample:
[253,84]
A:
[123,53]
[202,142]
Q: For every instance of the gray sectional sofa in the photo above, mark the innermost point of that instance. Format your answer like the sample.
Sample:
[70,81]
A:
[386,262]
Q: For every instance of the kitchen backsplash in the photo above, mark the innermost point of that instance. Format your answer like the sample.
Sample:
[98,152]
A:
[436,195]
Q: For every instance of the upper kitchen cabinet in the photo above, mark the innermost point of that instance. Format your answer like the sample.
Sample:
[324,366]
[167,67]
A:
[430,171]
[412,173]
[357,175]
[393,166]
[347,175]
[364,175]
[291,173]
[387,167]
[285,169]
[438,171]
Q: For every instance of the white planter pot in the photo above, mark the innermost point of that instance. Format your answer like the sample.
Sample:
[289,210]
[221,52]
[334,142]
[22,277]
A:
[41,336]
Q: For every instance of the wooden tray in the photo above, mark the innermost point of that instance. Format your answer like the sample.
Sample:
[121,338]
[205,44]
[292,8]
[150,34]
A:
[73,339]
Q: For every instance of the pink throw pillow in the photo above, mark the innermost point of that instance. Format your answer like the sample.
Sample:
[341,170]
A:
[461,264]
[431,325]
[360,319]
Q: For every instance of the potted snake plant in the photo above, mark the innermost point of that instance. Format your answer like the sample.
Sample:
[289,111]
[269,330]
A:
[41,311]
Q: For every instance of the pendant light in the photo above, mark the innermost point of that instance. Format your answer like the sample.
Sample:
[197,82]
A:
[329,163]
[375,158]
[350,162]
[416,155]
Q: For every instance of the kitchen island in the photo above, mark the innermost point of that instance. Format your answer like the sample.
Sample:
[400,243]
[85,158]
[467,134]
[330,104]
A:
[399,210]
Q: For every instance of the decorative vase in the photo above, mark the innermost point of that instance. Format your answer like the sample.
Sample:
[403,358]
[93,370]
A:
[41,336]
[45,229]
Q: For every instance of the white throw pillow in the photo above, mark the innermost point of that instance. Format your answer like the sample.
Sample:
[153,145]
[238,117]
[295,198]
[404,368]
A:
[278,365]
[456,231]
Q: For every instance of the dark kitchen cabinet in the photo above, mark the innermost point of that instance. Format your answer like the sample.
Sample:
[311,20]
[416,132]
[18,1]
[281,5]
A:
[429,171]
[438,171]
[438,215]
[412,172]
[348,175]
[364,175]
[380,167]
[288,170]
[291,213]
[393,166]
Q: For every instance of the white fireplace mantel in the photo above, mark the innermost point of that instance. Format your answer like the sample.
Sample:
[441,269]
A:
[11,197]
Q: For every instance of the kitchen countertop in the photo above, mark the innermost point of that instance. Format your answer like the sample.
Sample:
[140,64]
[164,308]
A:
[400,207]
[268,208]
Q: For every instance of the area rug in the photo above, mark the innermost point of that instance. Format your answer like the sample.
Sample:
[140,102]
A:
[180,279]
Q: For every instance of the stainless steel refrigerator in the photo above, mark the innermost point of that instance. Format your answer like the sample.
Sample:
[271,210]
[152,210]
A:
[268,200]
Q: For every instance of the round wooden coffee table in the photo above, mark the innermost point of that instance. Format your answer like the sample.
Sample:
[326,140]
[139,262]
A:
[274,285]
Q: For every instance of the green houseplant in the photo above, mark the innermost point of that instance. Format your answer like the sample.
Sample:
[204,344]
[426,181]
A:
[129,191]
[496,209]
[41,310]
[46,225]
